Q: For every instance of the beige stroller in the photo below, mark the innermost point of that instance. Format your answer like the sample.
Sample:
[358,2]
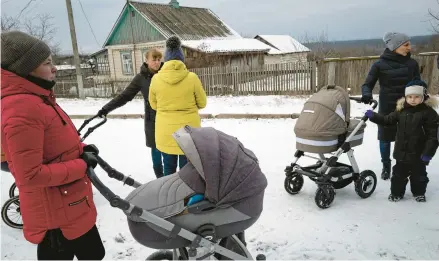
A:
[325,127]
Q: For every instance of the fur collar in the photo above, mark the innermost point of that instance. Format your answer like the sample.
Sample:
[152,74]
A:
[430,102]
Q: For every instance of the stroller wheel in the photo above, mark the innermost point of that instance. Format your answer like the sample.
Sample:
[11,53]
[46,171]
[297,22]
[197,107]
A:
[161,255]
[366,183]
[325,195]
[11,213]
[293,183]
[13,191]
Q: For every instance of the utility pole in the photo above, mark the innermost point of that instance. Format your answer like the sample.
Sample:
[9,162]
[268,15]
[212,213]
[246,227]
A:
[130,14]
[80,86]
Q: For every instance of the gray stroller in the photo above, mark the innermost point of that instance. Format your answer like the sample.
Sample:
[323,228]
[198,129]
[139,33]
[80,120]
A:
[159,216]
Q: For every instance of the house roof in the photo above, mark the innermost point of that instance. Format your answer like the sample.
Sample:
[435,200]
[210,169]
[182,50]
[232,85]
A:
[227,45]
[98,52]
[189,23]
[284,44]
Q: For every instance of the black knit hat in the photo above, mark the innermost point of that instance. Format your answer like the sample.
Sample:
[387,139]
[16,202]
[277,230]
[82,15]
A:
[22,53]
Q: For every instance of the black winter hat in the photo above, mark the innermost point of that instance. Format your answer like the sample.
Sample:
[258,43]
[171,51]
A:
[22,53]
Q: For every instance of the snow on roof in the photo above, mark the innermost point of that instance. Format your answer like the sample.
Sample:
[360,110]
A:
[227,45]
[284,44]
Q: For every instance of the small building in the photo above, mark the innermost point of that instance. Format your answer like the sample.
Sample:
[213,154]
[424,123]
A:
[100,62]
[285,49]
[243,53]
[141,26]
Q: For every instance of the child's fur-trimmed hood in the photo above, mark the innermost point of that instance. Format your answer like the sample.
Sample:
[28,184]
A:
[430,102]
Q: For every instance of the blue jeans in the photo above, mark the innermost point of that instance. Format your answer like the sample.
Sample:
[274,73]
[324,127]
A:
[157,163]
[156,156]
[170,163]
[385,150]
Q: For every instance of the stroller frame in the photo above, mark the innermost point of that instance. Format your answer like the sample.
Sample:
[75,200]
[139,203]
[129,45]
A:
[320,173]
[201,247]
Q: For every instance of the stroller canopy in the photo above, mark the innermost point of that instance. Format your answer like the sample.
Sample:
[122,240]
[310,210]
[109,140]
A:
[221,163]
[326,113]
[220,168]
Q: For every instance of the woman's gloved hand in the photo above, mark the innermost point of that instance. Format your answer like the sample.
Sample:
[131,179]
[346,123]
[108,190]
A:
[91,148]
[367,99]
[90,159]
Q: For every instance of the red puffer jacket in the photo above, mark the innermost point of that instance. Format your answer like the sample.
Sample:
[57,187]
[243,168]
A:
[43,150]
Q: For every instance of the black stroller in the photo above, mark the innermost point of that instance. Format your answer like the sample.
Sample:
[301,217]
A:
[159,217]
[325,126]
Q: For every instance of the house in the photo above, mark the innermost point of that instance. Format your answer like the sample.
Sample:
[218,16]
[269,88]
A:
[285,49]
[68,59]
[205,37]
[100,63]
[241,52]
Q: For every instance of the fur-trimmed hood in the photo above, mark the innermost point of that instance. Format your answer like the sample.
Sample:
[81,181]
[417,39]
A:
[430,102]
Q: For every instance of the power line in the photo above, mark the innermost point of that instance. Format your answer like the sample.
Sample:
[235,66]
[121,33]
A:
[33,8]
[24,8]
[89,23]
[5,2]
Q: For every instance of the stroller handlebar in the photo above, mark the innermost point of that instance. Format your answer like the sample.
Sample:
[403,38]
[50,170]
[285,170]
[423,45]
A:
[373,102]
[115,201]
[91,129]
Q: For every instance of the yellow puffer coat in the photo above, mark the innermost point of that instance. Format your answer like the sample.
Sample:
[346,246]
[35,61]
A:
[177,95]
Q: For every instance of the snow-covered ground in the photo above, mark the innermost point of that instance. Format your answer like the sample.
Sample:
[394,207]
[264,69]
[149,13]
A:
[291,227]
[276,104]
[215,105]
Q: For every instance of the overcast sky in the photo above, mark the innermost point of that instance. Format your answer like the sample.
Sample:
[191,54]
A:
[341,19]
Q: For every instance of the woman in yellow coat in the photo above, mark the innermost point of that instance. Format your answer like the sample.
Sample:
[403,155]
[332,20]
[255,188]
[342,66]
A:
[177,95]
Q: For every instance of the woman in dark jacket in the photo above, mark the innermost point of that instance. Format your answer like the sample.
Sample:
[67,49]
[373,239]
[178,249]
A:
[141,83]
[394,70]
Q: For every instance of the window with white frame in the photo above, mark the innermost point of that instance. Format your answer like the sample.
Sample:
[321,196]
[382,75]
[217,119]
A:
[127,62]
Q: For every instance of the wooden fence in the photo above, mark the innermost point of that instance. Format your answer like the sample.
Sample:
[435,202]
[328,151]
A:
[299,78]
[271,79]
[351,72]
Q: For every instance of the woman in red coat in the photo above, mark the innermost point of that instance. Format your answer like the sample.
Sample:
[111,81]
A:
[45,155]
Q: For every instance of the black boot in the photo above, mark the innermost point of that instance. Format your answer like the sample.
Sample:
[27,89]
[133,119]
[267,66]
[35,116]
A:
[158,171]
[387,168]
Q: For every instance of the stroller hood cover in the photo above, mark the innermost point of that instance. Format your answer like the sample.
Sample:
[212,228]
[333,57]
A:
[229,171]
[218,166]
[326,113]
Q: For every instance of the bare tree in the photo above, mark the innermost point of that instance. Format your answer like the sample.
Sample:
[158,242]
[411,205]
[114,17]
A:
[41,27]
[434,15]
[319,45]
[9,23]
